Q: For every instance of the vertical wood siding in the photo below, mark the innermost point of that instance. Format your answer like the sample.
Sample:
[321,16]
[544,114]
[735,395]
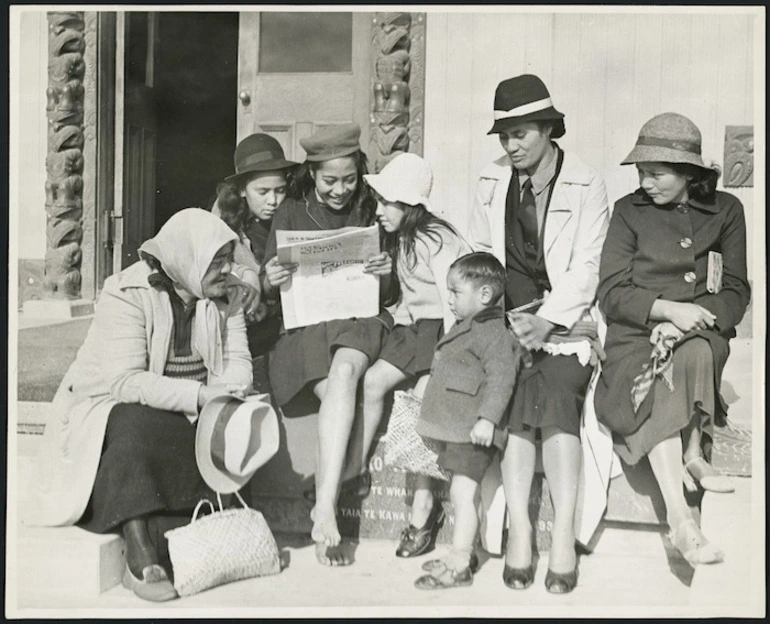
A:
[608,73]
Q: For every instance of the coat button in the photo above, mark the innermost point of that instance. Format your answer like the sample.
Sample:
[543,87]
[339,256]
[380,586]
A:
[689,277]
[686,243]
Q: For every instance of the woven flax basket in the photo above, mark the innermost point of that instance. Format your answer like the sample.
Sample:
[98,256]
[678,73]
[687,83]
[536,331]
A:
[404,448]
[224,546]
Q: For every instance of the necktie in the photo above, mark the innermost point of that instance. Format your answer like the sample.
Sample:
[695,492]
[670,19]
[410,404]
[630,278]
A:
[527,216]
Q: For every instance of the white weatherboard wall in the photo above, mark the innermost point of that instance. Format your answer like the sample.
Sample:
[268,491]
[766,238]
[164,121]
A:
[33,132]
[608,73]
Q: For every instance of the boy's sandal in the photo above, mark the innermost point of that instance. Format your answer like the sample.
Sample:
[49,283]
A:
[704,474]
[688,539]
[154,585]
[436,564]
[445,578]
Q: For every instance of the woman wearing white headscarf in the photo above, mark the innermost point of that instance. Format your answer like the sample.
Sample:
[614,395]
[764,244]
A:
[119,448]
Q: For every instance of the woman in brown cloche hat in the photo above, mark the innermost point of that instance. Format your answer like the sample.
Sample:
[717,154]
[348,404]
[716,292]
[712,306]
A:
[673,287]
[247,201]
[329,358]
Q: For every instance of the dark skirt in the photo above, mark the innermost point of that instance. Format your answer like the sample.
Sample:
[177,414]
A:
[693,397]
[304,355]
[550,394]
[410,348]
[147,467]
[263,335]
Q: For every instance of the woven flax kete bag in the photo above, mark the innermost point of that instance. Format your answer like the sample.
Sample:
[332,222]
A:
[224,546]
[234,438]
[405,449]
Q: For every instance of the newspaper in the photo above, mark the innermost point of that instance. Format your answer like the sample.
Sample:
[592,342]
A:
[329,282]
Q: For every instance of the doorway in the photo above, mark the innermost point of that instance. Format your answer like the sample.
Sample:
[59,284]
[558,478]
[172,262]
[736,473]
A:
[176,122]
[195,104]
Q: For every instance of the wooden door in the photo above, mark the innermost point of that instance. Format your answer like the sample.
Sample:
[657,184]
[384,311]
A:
[134,215]
[300,71]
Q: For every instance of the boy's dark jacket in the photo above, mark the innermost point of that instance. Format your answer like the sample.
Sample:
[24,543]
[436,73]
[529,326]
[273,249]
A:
[472,376]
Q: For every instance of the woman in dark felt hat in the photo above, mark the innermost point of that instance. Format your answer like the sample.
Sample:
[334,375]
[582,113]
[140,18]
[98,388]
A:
[247,201]
[329,358]
[663,300]
[543,213]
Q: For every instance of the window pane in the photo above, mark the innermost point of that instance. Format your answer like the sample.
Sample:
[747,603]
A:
[305,42]
[136,48]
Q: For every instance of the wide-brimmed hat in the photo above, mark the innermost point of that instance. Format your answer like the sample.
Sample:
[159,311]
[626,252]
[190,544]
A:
[332,142]
[525,98]
[234,438]
[407,179]
[258,152]
[667,138]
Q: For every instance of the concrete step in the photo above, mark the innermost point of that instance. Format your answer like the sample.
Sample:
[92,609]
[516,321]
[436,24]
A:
[735,523]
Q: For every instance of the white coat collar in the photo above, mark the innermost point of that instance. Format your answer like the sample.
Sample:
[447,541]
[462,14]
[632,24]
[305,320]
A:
[573,170]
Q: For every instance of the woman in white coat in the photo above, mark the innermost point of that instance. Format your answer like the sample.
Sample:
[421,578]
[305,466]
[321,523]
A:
[168,334]
[543,213]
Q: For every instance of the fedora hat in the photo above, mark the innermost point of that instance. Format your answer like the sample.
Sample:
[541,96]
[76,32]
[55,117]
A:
[407,179]
[258,152]
[234,438]
[331,142]
[667,138]
[525,98]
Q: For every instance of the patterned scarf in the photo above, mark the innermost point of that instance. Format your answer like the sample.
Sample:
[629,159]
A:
[660,366]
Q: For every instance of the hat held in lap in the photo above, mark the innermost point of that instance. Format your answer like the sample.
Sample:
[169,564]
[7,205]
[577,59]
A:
[525,98]
[235,437]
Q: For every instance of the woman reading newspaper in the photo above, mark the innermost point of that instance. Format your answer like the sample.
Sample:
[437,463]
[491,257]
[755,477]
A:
[328,358]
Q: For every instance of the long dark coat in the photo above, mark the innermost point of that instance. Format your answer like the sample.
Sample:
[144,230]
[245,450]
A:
[656,252]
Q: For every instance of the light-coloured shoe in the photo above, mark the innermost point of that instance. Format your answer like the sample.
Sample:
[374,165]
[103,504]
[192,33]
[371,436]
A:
[154,586]
[707,477]
[688,539]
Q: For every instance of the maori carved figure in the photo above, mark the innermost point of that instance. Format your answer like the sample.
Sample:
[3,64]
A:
[64,163]
[739,156]
[391,42]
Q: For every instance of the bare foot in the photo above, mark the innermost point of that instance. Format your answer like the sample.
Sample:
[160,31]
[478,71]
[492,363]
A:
[326,536]
[331,555]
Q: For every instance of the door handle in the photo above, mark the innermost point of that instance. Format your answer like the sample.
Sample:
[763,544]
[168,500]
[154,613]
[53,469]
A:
[245,97]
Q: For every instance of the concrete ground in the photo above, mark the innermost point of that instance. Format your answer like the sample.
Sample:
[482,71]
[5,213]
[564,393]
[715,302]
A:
[630,569]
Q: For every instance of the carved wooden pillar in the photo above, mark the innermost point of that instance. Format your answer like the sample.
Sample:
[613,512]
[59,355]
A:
[64,163]
[398,86]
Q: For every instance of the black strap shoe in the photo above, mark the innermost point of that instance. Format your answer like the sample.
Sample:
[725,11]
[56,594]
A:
[518,578]
[416,541]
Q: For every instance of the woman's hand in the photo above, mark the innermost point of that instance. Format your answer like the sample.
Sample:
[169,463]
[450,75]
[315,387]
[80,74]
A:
[666,328]
[483,432]
[258,314]
[251,300]
[381,264]
[530,329]
[208,392]
[686,316]
[277,274]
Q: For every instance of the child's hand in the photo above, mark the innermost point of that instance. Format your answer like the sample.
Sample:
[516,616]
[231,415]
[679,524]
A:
[381,264]
[483,432]
[278,274]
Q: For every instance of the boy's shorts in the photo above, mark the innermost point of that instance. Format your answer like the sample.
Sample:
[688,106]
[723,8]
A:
[465,458]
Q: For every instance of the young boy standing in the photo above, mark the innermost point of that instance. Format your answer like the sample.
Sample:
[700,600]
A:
[472,379]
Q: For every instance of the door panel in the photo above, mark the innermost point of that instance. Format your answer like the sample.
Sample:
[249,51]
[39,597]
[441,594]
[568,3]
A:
[293,105]
[137,143]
